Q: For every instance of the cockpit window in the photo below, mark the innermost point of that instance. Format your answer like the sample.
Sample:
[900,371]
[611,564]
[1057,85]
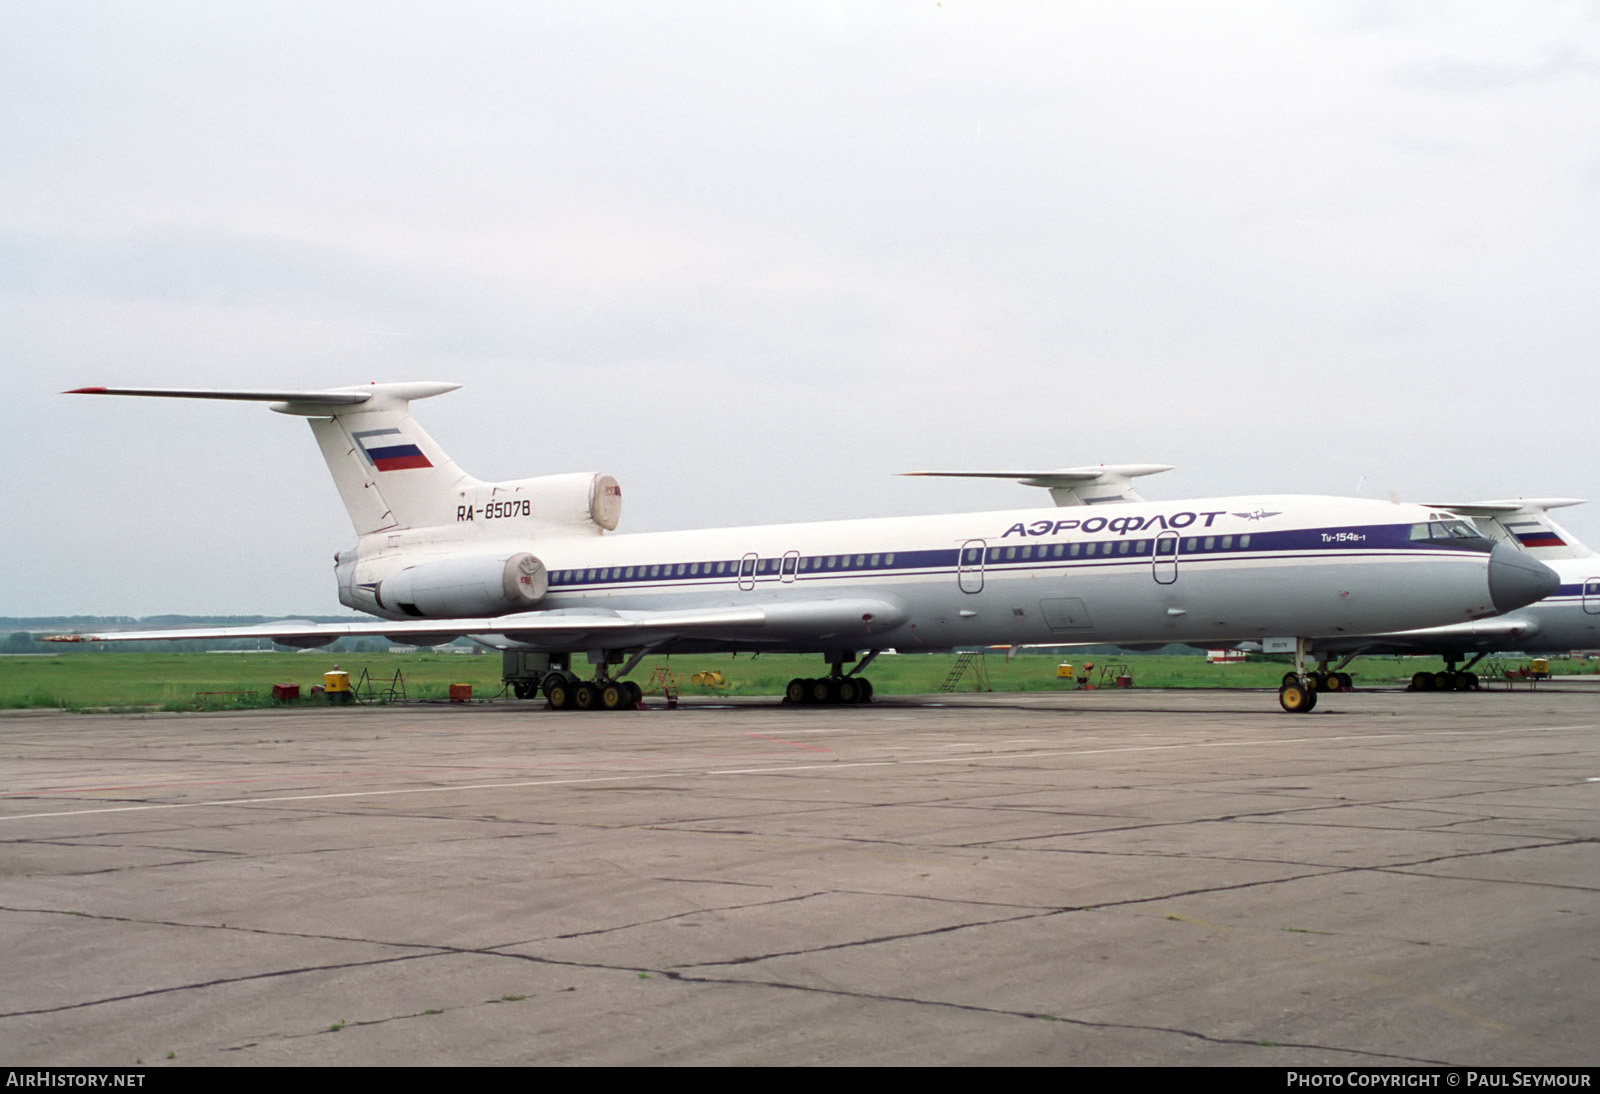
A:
[1444,530]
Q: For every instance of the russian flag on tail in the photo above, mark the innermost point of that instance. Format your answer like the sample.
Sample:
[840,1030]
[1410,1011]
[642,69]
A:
[1531,534]
[388,450]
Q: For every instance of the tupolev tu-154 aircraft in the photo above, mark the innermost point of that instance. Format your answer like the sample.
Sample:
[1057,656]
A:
[528,564]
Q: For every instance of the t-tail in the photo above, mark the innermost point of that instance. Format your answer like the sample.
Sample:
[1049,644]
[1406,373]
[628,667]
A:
[392,476]
[434,541]
[1526,523]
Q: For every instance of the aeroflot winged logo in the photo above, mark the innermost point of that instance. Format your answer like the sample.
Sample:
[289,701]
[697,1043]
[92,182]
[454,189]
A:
[388,450]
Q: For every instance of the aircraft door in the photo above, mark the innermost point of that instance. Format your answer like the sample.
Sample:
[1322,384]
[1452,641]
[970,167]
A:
[1591,595]
[1165,559]
[747,571]
[969,565]
[791,562]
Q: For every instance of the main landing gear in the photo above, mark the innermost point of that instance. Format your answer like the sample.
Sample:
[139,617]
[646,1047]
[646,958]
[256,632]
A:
[1324,679]
[829,689]
[566,692]
[837,686]
[1451,679]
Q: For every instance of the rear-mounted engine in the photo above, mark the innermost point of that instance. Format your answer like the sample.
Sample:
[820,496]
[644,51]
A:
[466,587]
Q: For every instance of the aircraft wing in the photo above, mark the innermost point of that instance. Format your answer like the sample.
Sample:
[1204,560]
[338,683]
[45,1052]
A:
[1496,628]
[818,620]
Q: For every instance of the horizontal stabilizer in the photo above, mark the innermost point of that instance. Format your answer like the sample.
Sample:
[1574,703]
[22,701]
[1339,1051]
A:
[1494,508]
[321,398]
[307,403]
[1070,485]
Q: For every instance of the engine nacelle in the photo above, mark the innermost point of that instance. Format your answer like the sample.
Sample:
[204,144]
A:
[583,500]
[456,588]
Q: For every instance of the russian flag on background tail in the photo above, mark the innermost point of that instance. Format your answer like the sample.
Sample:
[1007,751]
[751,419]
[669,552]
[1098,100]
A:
[1533,534]
[388,450]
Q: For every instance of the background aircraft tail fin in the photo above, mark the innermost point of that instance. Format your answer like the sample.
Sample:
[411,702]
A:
[1526,523]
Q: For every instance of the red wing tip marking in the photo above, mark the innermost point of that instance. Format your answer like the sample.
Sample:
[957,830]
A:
[85,391]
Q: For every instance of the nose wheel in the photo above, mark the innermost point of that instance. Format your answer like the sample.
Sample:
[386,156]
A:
[1297,697]
[1297,694]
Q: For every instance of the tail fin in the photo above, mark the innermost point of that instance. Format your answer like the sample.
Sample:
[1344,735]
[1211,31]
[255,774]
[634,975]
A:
[1526,523]
[389,472]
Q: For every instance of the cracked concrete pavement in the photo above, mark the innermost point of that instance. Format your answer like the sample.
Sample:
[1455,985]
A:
[1095,878]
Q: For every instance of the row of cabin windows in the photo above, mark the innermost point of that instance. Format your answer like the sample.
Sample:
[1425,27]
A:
[812,563]
[757,567]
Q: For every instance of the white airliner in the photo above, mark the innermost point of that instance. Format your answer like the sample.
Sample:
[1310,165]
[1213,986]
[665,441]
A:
[1567,620]
[528,564]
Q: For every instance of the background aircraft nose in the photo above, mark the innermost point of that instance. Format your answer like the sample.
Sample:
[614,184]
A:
[1515,579]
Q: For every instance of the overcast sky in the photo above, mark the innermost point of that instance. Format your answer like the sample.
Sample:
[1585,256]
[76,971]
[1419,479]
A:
[754,258]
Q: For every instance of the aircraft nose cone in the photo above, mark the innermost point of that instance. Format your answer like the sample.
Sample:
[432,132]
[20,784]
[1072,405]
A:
[1515,579]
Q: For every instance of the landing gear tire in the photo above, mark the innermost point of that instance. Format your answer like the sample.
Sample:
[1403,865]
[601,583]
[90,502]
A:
[849,689]
[559,690]
[1297,698]
[798,691]
[1289,678]
[524,691]
[866,689]
[635,693]
[586,696]
[1345,681]
[1422,681]
[824,690]
[614,695]
[1469,681]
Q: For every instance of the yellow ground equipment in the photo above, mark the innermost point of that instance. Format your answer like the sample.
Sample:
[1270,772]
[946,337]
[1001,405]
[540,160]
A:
[336,685]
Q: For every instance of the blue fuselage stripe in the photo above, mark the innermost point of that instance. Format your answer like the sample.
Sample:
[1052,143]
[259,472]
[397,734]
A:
[1003,556]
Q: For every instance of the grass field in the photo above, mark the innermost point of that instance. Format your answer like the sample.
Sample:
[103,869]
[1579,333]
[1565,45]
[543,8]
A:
[87,680]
